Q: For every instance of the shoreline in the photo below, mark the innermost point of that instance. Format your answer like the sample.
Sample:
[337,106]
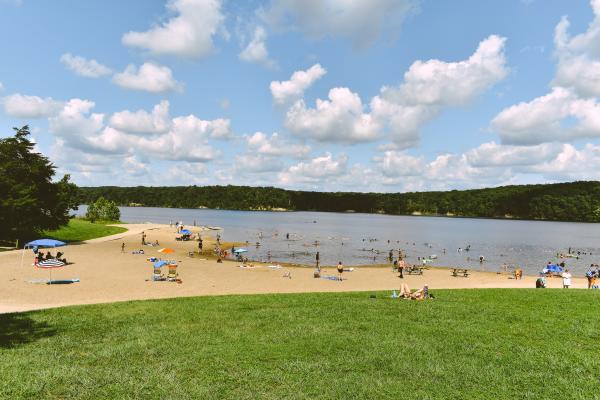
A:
[107,275]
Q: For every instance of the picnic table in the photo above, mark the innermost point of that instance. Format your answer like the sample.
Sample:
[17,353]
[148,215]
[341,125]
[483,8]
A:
[460,272]
[414,270]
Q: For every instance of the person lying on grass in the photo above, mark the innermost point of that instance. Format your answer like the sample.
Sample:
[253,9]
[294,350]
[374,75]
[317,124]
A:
[418,294]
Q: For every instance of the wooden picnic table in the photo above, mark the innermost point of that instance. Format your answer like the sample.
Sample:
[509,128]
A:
[460,272]
[414,270]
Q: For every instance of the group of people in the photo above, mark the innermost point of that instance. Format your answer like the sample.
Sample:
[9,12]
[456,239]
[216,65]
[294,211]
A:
[419,294]
[40,256]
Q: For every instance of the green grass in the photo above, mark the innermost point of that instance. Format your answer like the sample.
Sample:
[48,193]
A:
[79,229]
[465,344]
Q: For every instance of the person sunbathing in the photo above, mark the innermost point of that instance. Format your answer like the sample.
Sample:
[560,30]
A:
[418,294]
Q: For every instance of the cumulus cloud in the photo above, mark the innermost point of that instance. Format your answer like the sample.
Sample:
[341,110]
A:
[83,67]
[23,106]
[340,119]
[141,121]
[314,170]
[188,34]
[150,77]
[184,138]
[570,110]
[293,89]
[257,163]
[256,50]
[264,145]
[429,86]
[579,56]
[558,116]
[397,163]
[496,155]
[361,21]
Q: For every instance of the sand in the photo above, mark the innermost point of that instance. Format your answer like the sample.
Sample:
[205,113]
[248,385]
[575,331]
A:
[108,275]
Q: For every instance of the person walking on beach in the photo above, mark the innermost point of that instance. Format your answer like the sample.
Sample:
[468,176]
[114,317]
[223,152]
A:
[340,270]
[123,247]
[143,238]
[591,276]
[317,260]
[566,279]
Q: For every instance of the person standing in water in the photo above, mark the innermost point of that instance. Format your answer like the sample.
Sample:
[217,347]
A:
[317,260]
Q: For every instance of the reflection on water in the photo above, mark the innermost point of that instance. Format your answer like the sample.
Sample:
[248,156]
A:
[367,238]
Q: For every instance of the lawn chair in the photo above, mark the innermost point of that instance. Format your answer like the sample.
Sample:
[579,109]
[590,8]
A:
[172,275]
[157,274]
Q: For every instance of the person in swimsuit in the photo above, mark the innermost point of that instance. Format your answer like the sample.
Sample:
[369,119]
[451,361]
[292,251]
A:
[340,269]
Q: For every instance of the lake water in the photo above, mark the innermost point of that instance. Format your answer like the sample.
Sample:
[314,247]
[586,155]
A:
[357,239]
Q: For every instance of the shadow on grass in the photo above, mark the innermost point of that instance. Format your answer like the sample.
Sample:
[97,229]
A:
[18,329]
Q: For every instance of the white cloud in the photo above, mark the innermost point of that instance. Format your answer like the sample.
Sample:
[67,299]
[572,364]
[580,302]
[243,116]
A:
[141,121]
[495,155]
[196,128]
[314,170]
[429,86]
[150,77]
[1,86]
[84,67]
[396,163]
[557,116]
[275,146]
[579,56]
[188,34]
[285,91]
[340,119]
[256,50]
[23,106]
[257,163]
[361,21]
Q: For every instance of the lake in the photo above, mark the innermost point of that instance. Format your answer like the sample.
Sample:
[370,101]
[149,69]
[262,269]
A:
[357,239]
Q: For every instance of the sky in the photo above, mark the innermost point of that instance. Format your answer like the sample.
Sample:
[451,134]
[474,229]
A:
[326,95]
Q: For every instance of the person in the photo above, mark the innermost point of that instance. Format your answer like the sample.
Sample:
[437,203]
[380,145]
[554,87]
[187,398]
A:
[123,247]
[143,238]
[340,270]
[591,276]
[540,283]
[49,255]
[419,294]
[317,260]
[401,266]
[156,242]
[199,246]
[518,273]
[566,279]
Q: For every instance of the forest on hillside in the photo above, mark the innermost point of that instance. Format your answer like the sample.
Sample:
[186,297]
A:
[575,201]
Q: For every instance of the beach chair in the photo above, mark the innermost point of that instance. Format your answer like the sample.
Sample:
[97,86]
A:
[172,275]
[157,275]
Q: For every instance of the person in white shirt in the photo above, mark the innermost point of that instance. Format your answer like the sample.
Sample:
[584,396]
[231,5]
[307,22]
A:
[566,279]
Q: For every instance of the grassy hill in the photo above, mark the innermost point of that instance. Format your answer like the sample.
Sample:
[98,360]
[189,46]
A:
[465,344]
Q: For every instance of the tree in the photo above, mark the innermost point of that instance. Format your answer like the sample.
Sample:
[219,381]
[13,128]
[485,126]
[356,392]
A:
[103,209]
[30,201]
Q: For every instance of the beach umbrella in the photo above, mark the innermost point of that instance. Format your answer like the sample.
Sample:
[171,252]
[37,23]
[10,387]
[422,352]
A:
[186,232]
[237,251]
[166,250]
[160,264]
[41,243]
[50,265]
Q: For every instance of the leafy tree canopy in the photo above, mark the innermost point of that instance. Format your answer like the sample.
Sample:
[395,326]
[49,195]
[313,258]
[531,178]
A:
[30,201]
[103,209]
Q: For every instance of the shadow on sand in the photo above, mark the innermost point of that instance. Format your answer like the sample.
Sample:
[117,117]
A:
[17,329]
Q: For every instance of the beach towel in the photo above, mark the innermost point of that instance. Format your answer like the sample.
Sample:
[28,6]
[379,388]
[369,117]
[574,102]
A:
[330,277]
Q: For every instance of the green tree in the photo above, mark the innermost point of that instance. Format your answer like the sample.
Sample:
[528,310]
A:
[103,209]
[30,201]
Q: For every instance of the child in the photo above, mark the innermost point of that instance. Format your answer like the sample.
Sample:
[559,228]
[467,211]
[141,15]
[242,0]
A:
[566,279]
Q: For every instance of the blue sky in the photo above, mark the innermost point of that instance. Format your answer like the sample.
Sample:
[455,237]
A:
[364,95]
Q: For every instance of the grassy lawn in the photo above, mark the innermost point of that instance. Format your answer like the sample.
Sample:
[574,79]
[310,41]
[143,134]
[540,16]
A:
[79,229]
[465,344]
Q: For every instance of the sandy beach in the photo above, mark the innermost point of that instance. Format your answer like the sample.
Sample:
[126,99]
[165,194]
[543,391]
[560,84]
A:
[107,275]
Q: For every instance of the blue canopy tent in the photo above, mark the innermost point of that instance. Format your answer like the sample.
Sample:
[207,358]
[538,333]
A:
[41,243]
[185,232]
[552,269]
[44,244]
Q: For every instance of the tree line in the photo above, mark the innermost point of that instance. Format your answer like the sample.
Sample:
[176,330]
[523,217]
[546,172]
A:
[575,201]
